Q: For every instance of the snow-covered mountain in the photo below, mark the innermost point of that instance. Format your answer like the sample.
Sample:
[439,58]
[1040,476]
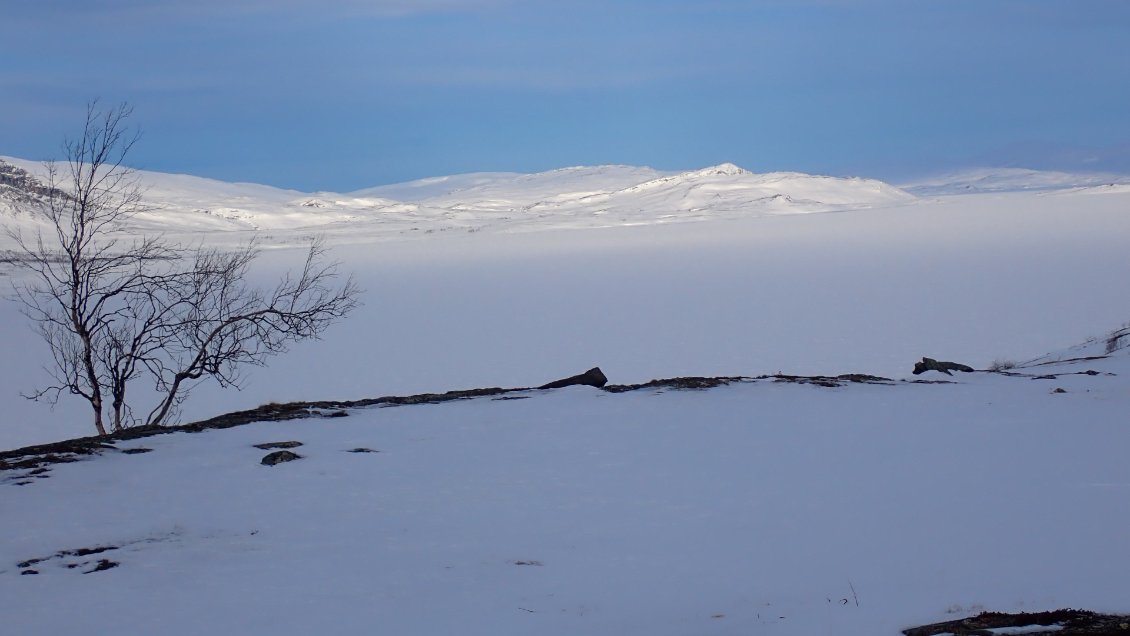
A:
[982,180]
[578,197]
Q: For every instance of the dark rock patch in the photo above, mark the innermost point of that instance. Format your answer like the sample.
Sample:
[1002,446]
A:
[66,554]
[102,565]
[1061,622]
[830,381]
[88,551]
[433,398]
[817,380]
[361,449]
[136,451]
[684,383]
[37,461]
[279,457]
[863,378]
[272,445]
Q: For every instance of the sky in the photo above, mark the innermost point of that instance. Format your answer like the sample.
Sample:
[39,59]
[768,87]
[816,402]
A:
[346,94]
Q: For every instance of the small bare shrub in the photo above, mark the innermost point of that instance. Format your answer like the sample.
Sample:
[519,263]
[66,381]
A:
[1001,364]
[1118,339]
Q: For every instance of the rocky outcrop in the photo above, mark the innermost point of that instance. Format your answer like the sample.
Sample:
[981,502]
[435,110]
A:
[1062,622]
[279,457]
[593,377]
[930,364]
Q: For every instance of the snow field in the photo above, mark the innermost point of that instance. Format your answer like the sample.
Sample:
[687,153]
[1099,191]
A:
[761,507]
[754,508]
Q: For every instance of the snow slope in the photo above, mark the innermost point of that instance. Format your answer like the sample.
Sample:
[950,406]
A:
[982,180]
[759,507]
[189,207]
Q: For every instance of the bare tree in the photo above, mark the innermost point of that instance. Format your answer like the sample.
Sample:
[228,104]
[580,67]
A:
[113,310]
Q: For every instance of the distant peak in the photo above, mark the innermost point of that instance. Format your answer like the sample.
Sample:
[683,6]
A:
[722,169]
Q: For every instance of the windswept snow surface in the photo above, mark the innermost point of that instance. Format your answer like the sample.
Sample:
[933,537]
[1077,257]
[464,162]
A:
[760,508]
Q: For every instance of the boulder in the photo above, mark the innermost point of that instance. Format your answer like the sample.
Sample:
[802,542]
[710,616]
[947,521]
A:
[279,457]
[592,377]
[930,364]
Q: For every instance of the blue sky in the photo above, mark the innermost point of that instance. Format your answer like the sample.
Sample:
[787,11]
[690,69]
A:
[345,94]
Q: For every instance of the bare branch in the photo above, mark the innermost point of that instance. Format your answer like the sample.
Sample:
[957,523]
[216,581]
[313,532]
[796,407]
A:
[112,310]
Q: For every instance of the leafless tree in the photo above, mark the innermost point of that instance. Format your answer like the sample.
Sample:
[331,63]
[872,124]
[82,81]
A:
[113,309]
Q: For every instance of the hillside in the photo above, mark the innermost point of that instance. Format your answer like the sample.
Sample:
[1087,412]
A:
[587,197]
[761,506]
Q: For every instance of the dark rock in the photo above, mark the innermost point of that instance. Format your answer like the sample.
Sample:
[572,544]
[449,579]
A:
[863,378]
[279,457]
[930,364]
[685,383]
[431,398]
[136,451]
[102,565]
[336,414]
[817,380]
[270,445]
[592,377]
[360,449]
[30,572]
[88,551]
[1062,622]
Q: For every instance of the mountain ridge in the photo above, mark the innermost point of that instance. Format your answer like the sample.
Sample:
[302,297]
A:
[573,197]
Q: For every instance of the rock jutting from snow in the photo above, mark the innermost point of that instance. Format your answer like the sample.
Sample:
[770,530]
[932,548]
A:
[593,377]
[274,445]
[279,457]
[930,364]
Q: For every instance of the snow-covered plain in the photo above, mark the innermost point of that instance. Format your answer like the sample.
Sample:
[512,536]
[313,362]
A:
[754,508]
